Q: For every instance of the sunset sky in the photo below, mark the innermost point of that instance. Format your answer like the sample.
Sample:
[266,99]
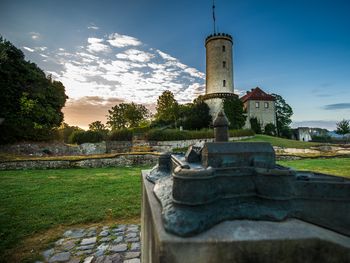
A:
[107,52]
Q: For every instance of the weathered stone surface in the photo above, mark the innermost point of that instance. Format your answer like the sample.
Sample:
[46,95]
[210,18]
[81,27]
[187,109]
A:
[130,255]
[88,241]
[135,246]
[134,260]
[75,233]
[60,257]
[131,235]
[48,253]
[84,252]
[74,260]
[88,259]
[105,239]
[117,240]
[86,247]
[68,245]
[104,233]
[118,248]
[134,239]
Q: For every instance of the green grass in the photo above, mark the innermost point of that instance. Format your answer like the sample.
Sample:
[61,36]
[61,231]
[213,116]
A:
[281,142]
[36,200]
[335,166]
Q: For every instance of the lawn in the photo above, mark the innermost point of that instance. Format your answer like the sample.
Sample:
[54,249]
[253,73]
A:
[335,166]
[36,200]
[281,142]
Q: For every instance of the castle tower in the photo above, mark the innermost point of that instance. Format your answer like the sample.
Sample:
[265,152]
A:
[219,71]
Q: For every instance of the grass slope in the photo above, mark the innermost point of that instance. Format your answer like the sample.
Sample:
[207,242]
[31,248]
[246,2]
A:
[335,166]
[281,142]
[35,200]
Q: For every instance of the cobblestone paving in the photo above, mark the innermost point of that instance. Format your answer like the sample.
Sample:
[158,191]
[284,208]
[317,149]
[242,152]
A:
[119,244]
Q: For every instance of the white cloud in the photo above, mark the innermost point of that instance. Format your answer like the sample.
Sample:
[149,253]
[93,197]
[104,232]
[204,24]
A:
[44,56]
[61,49]
[40,48]
[29,49]
[165,56]
[118,40]
[34,35]
[93,26]
[96,45]
[135,55]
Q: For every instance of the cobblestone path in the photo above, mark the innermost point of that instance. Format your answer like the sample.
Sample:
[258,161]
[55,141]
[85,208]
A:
[119,244]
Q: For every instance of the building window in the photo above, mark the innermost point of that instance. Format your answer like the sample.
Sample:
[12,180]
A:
[224,83]
[257,104]
[224,64]
[266,105]
[223,48]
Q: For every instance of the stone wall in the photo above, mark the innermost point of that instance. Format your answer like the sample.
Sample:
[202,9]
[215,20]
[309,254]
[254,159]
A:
[264,115]
[116,161]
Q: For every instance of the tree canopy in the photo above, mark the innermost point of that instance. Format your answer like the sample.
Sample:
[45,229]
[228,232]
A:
[30,102]
[234,111]
[196,115]
[343,127]
[127,115]
[284,113]
[168,111]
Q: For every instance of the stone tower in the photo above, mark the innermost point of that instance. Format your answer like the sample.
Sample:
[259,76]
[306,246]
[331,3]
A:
[219,71]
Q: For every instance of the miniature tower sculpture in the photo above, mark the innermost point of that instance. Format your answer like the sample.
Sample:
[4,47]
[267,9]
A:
[219,70]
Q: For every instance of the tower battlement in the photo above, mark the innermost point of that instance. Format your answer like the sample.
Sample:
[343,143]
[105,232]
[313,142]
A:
[218,36]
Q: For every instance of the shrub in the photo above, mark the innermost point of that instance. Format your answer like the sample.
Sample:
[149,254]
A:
[121,135]
[255,125]
[241,133]
[270,129]
[80,137]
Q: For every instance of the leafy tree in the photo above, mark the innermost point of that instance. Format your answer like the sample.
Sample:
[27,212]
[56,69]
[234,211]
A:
[195,115]
[168,110]
[64,132]
[97,126]
[234,111]
[30,102]
[284,113]
[255,125]
[270,129]
[343,127]
[127,115]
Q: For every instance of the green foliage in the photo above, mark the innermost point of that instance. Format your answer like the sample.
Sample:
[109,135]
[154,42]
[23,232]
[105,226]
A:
[168,110]
[127,115]
[30,102]
[121,135]
[270,129]
[64,132]
[195,116]
[241,133]
[234,112]
[284,113]
[97,126]
[343,127]
[174,135]
[322,138]
[80,137]
[255,125]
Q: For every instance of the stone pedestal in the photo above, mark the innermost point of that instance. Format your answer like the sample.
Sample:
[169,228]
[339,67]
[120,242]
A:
[238,241]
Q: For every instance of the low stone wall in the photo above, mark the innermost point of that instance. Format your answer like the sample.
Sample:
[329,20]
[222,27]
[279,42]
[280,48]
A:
[116,161]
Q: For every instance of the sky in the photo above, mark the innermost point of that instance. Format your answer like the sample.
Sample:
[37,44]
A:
[109,52]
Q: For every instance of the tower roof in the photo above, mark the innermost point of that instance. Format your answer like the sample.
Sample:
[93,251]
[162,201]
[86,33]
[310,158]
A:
[218,36]
[257,94]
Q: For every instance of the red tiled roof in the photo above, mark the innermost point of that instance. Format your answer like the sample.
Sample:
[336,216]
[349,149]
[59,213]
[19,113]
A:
[257,94]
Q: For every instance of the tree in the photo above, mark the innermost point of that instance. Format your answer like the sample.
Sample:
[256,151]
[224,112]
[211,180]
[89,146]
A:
[30,102]
[64,132]
[343,127]
[97,126]
[255,125]
[168,111]
[284,113]
[270,129]
[126,115]
[196,115]
[234,111]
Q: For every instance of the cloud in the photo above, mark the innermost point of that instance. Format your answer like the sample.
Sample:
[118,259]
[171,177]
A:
[165,56]
[119,41]
[337,106]
[96,45]
[29,49]
[34,35]
[93,26]
[329,125]
[135,55]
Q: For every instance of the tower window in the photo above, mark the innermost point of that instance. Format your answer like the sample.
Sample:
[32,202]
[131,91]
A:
[224,64]
[224,83]
[223,48]
[266,104]
[257,104]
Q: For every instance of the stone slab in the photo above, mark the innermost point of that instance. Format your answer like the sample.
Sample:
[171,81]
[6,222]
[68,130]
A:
[238,240]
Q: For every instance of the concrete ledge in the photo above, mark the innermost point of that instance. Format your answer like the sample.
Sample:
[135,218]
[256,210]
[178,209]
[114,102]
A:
[238,241]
